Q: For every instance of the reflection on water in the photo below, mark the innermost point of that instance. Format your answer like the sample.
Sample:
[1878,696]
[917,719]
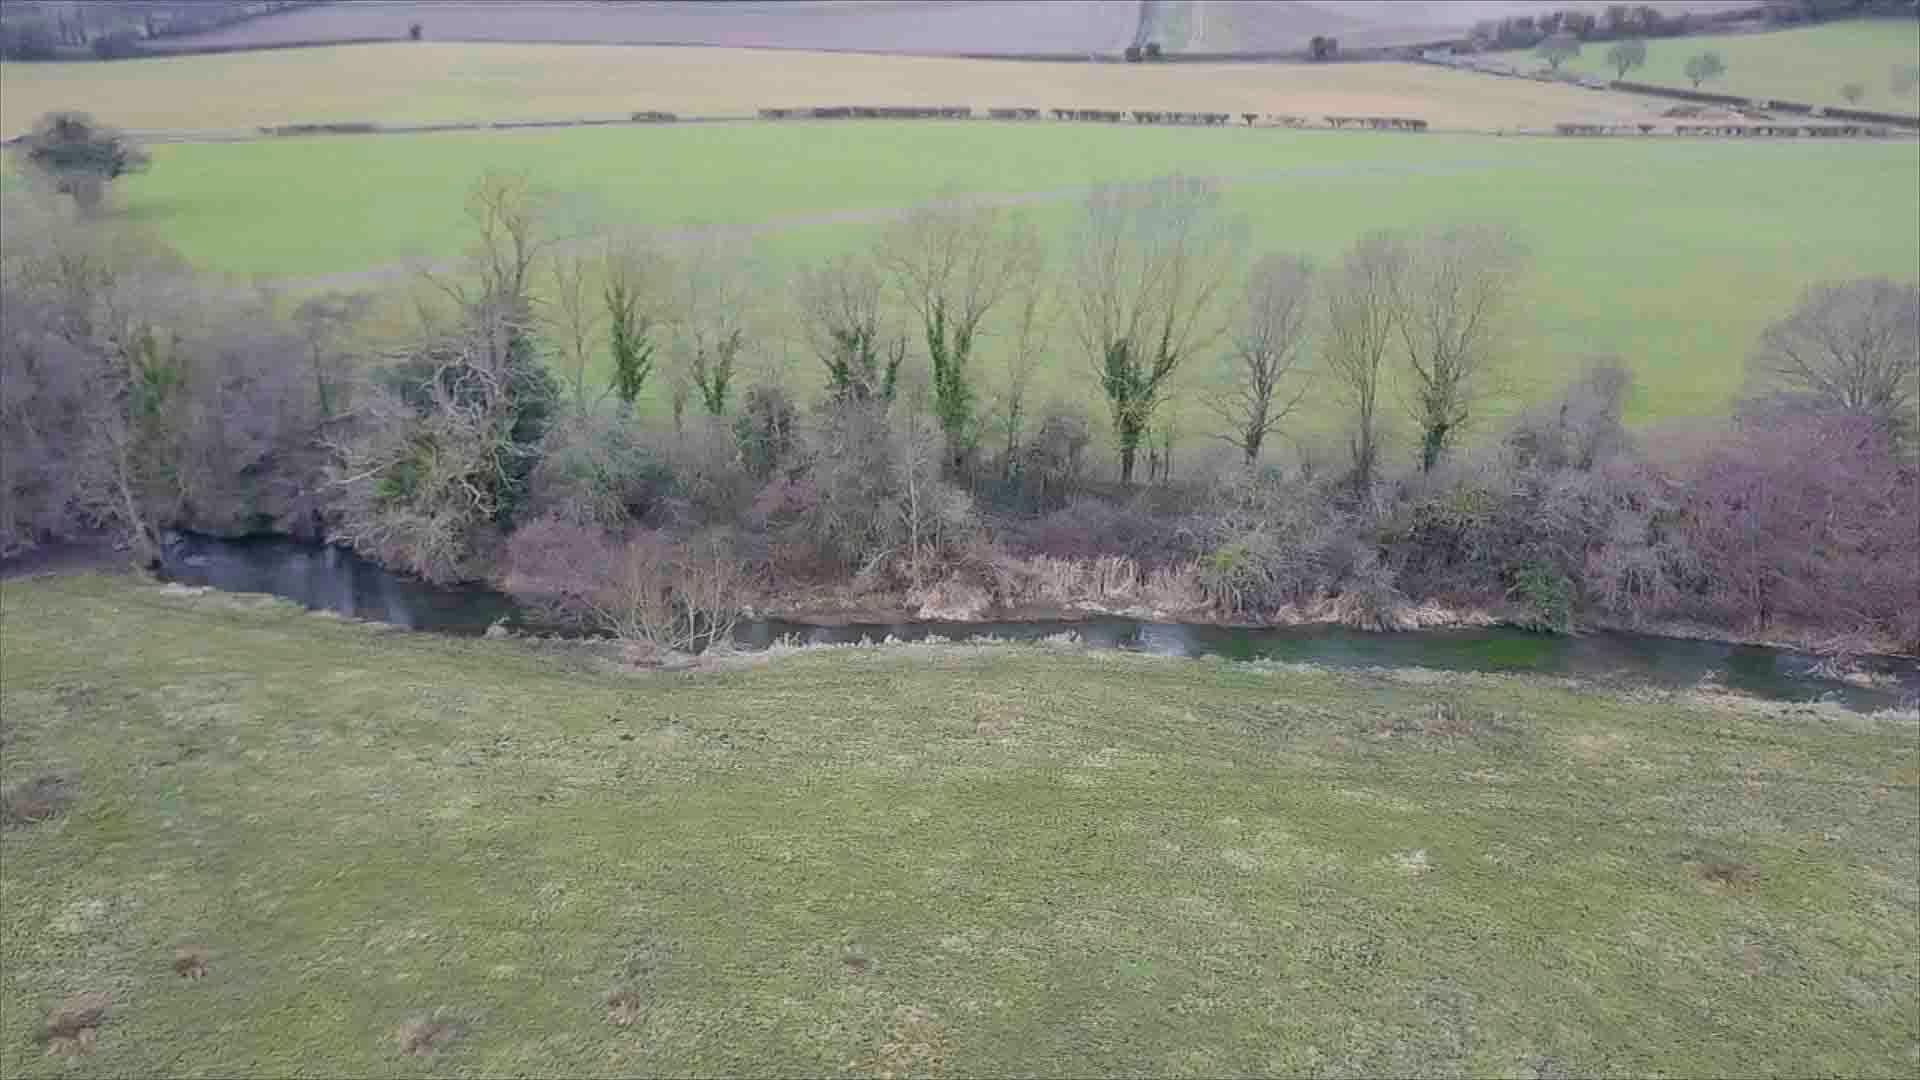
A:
[334,579]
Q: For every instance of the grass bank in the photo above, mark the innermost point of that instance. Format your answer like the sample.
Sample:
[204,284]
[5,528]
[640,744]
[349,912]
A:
[1671,254]
[1807,65]
[280,843]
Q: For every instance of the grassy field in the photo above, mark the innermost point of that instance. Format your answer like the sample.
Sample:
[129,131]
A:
[1808,65]
[447,82]
[284,839]
[1671,254]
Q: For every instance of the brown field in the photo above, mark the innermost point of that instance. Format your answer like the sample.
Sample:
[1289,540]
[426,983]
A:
[916,26]
[451,82]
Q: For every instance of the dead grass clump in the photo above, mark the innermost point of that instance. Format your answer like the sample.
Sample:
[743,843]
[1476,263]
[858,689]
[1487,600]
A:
[625,1007]
[1446,719]
[74,1024]
[37,800]
[1728,875]
[190,962]
[424,1035]
[917,1046]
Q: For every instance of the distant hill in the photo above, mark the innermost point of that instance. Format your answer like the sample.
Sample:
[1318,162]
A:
[1030,27]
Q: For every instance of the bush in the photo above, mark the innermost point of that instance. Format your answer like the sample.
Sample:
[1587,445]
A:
[765,430]
[595,470]
[643,587]
[1546,597]
[1133,54]
[1090,527]
[118,45]
[870,497]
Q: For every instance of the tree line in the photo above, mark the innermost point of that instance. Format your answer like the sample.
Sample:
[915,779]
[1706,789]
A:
[504,436]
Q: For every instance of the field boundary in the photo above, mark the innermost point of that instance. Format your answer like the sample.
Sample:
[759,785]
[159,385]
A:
[1000,114]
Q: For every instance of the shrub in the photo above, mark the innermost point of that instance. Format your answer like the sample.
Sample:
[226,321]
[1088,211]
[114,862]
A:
[643,587]
[118,45]
[1545,595]
[1805,517]
[1133,54]
[870,496]
[595,470]
[765,430]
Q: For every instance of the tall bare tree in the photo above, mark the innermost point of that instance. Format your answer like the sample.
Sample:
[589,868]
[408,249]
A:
[1035,309]
[1362,321]
[1268,352]
[713,279]
[1852,346]
[952,265]
[843,315]
[1149,266]
[571,316]
[1454,298]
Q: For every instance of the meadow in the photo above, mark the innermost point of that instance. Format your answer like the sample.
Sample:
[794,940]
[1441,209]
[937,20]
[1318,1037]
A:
[1806,65]
[279,843]
[440,81]
[1670,254]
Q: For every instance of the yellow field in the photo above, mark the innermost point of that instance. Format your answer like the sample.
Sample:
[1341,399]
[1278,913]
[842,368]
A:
[450,82]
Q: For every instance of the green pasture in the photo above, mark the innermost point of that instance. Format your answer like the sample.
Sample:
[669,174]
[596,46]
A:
[1669,254]
[959,861]
[1807,65]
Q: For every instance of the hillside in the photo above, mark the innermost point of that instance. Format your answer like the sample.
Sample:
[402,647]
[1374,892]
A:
[913,26]
[277,844]
[1807,65]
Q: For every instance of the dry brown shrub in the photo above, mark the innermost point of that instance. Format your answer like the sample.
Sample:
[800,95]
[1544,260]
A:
[37,800]
[190,962]
[73,1025]
[426,1034]
[625,1007]
[917,1046]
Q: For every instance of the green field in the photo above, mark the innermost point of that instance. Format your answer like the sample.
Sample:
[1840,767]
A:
[959,860]
[1809,65]
[1671,254]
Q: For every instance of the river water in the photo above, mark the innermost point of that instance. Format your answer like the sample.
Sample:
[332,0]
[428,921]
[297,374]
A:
[334,579]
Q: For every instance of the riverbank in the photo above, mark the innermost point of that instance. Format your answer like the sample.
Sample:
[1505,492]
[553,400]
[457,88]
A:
[272,842]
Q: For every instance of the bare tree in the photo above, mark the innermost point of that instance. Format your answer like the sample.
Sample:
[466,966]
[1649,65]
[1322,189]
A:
[1362,322]
[711,308]
[1268,351]
[952,265]
[571,316]
[1149,265]
[324,322]
[1453,300]
[842,313]
[1030,333]
[1853,347]
[508,217]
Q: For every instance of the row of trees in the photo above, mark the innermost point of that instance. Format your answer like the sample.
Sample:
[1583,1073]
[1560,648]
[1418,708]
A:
[504,436]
